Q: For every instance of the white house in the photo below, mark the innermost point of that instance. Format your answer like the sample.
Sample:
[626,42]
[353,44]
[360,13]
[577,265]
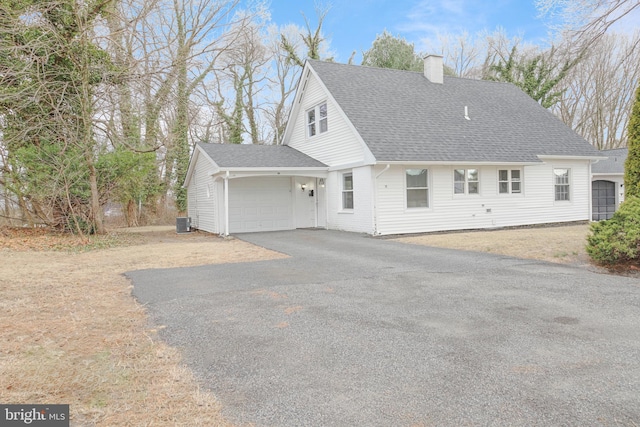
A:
[383,151]
[607,186]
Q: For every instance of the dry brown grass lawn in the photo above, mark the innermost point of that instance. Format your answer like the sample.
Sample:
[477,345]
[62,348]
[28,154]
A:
[561,244]
[70,331]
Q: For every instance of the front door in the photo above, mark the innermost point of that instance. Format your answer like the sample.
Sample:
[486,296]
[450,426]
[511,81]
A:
[305,202]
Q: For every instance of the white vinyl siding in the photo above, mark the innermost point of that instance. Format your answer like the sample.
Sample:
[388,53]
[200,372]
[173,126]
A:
[448,211]
[360,218]
[339,145]
[202,192]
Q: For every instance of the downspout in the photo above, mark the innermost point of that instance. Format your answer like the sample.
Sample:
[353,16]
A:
[386,168]
[375,198]
[226,204]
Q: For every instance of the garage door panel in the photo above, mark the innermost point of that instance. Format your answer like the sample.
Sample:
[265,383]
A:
[250,212]
[260,204]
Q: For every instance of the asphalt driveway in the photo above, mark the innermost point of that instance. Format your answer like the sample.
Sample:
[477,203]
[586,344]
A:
[357,331]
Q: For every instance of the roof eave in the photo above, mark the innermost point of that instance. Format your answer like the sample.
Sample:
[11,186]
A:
[296,102]
[245,172]
[564,157]
[454,162]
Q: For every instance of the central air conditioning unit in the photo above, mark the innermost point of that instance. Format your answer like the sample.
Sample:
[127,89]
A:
[183,224]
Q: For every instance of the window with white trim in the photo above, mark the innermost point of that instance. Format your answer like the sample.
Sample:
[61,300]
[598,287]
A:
[510,181]
[417,188]
[347,191]
[562,184]
[317,120]
[466,181]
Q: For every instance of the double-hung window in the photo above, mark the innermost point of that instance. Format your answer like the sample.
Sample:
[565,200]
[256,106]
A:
[562,185]
[347,191]
[417,188]
[317,120]
[466,181]
[510,181]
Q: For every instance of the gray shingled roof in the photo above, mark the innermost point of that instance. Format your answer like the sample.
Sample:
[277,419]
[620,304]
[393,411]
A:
[614,164]
[258,156]
[402,116]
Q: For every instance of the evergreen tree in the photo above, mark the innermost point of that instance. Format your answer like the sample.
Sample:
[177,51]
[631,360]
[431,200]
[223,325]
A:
[388,51]
[49,71]
[537,76]
[632,165]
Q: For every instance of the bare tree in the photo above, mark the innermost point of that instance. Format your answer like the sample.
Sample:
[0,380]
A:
[598,92]
[245,64]
[585,21]
[462,53]
[283,79]
[313,40]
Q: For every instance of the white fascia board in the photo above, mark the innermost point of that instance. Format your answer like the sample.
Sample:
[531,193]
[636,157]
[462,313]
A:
[249,172]
[350,165]
[197,152]
[455,163]
[591,158]
[293,112]
[607,173]
[192,162]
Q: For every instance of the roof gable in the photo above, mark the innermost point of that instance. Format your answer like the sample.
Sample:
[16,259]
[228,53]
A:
[614,164]
[402,116]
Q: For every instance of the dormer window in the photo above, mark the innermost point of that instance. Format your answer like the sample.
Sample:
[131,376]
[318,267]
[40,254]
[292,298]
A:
[317,120]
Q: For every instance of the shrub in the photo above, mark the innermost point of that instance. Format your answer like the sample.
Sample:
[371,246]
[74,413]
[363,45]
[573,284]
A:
[617,240]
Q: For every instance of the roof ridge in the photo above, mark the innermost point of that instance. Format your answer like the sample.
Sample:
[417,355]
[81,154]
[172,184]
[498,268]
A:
[383,69]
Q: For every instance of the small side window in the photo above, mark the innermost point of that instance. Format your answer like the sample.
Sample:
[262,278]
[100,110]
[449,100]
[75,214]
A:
[562,185]
[311,122]
[347,191]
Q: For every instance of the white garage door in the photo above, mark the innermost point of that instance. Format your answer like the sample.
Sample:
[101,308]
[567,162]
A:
[260,204]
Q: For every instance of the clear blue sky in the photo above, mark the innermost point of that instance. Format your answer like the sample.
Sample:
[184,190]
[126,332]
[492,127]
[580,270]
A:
[353,24]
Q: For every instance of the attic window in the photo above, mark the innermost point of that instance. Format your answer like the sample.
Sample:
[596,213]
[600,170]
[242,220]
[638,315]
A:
[317,120]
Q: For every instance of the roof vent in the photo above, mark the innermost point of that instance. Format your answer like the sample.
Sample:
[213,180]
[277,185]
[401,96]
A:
[466,113]
[434,68]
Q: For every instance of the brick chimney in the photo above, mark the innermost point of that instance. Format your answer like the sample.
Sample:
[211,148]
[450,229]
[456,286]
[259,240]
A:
[434,68]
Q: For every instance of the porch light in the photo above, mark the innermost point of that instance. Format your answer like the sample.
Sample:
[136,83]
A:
[303,186]
[322,182]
